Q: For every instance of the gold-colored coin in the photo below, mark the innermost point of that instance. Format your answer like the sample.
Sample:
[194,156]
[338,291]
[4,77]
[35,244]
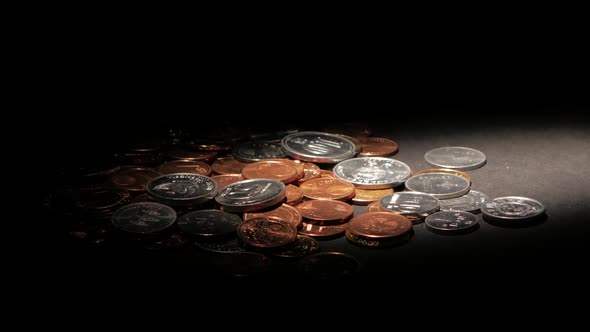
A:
[327,174]
[367,196]
[377,147]
[446,171]
[328,188]
[294,194]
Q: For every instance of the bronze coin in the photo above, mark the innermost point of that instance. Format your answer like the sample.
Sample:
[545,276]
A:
[367,196]
[322,231]
[177,153]
[327,174]
[379,225]
[328,188]
[447,171]
[133,178]
[270,169]
[267,232]
[325,211]
[377,147]
[284,212]
[294,194]
[228,165]
[310,171]
[225,179]
[303,246]
[185,166]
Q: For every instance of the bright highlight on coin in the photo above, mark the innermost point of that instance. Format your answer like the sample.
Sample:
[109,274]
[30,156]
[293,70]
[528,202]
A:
[373,172]
[318,147]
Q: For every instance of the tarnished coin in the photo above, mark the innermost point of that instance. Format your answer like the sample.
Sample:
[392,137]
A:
[445,170]
[294,194]
[450,222]
[228,165]
[377,147]
[325,212]
[209,223]
[270,169]
[256,151]
[379,225]
[185,166]
[267,232]
[470,202]
[328,188]
[367,196]
[133,178]
[439,185]
[373,172]
[512,208]
[322,231]
[284,212]
[303,246]
[144,218]
[455,157]
[410,203]
[318,147]
[226,179]
[329,266]
[220,245]
[183,188]
[251,195]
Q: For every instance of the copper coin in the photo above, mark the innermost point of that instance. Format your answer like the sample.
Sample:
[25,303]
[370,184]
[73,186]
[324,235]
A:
[181,154]
[379,225]
[328,188]
[225,179]
[327,174]
[284,212]
[445,170]
[294,194]
[367,196]
[310,171]
[303,246]
[299,165]
[185,166]
[228,165]
[270,169]
[322,231]
[325,211]
[267,232]
[375,242]
[133,178]
[377,147]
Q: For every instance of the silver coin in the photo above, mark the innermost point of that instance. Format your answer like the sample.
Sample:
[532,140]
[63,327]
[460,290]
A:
[251,195]
[410,203]
[256,151]
[183,188]
[455,157]
[209,223]
[512,208]
[373,172]
[222,246]
[318,147]
[439,185]
[451,221]
[470,202]
[144,218]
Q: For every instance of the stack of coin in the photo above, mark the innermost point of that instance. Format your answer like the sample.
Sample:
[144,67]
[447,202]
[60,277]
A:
[182,189]
[324,218]
[379,229]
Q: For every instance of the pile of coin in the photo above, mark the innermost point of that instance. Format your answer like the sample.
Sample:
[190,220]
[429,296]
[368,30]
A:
[277,194]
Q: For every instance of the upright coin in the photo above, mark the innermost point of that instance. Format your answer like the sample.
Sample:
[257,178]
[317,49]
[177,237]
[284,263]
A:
[373,172]
[256,151]
[185,166]
[325,212]
[209,223]
[455,157]
[439,185]
[328,188]
[410,203]
[303,246]
[377,147]
[270,169]
[450,222]
[284,212]
[318,147]
[470,202]
[251,195]
[379,225]
[512,208]
[267,232]
[329,266]
[228,165]
[133,178]
[183,188]
[144,218]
